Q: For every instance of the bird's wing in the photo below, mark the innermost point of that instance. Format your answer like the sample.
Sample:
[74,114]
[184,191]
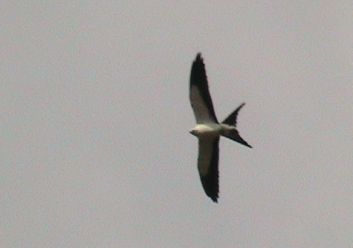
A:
[200,97]
[208,165]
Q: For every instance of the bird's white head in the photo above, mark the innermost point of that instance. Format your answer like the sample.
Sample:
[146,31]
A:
[194,132]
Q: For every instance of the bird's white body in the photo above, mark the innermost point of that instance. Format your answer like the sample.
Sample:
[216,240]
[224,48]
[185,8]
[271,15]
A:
[207,130]
[211,129]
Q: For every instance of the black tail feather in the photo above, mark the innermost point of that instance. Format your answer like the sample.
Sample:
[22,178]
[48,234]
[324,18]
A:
[232,118]
[234,135]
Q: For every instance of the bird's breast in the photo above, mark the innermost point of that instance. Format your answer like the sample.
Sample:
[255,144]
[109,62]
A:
[206,130]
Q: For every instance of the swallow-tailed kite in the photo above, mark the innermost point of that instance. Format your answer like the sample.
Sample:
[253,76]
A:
[208,130]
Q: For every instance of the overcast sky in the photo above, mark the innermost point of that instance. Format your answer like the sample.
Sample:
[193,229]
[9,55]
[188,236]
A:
[95,149]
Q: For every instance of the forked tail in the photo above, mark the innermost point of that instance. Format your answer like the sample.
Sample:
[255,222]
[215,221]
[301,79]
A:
[230,130]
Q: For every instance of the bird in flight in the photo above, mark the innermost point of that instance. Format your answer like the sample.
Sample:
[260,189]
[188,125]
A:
[208,130]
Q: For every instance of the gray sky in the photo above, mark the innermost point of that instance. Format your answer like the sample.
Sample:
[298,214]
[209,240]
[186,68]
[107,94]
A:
[95,149]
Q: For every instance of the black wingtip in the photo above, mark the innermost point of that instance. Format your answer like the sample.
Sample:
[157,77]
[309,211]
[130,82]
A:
[210,185]
[198,68]
[214,197]
[199,56]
